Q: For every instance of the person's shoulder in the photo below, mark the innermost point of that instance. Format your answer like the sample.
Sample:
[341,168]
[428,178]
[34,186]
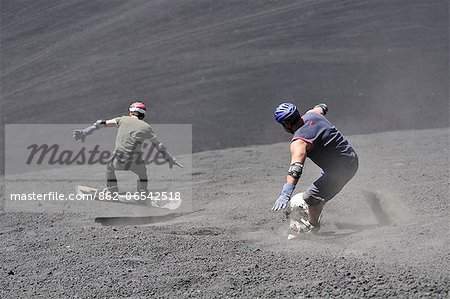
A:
[119,119]
[309,117]
[147,128]
[123,117]
[313,123]
[146,124]
[314,118]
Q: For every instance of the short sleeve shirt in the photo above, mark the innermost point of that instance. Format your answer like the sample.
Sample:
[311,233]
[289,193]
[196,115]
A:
[131,134]
[329,148]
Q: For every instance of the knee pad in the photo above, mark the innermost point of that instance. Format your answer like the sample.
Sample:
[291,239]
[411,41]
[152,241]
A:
[311,201]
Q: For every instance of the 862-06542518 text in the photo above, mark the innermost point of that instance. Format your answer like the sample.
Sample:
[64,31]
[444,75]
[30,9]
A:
[140,196]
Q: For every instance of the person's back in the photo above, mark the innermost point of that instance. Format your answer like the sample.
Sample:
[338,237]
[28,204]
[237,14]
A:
[329,148]
[131,134]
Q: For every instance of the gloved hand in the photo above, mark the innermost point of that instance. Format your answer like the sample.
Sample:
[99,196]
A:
[323,106]
[168,156]
[172,161]
[284,198]
[79,134]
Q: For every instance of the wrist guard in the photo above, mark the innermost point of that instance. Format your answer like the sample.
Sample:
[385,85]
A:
[100,123]
[295,170]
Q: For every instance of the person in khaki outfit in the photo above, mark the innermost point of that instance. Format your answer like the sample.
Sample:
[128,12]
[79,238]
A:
[127,154]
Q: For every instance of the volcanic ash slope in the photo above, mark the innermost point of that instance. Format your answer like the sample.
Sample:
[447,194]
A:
[385,234]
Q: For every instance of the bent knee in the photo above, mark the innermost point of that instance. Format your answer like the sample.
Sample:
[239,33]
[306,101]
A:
[311,200]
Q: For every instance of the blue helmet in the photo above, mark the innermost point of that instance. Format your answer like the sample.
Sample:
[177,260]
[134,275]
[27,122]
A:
[284,112]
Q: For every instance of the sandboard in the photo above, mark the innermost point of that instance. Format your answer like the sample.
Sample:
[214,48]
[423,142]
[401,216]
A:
[128,198]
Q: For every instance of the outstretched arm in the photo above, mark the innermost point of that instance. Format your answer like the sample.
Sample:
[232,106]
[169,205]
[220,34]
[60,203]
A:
[105,123]
[298,157]
[81,134]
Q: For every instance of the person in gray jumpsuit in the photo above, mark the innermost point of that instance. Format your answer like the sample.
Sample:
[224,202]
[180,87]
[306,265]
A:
[132,132]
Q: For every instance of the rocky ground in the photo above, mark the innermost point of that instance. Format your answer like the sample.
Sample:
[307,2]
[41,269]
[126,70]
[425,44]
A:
[223,66]
[232,245]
